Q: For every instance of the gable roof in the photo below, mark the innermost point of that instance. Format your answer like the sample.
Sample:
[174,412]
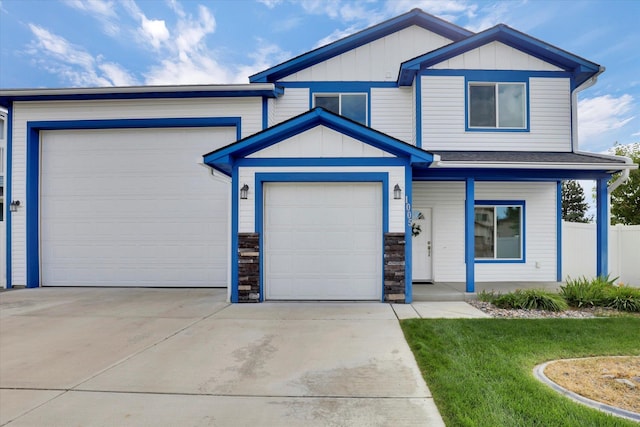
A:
[581,68]
[413,17]
[223,158]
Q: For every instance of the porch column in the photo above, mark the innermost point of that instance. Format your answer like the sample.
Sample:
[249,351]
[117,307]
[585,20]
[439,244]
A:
[469,234]
[602,227]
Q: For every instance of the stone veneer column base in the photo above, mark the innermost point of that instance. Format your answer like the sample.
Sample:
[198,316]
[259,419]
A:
[394,267]
[248,267]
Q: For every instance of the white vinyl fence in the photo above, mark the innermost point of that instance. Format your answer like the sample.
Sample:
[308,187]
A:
[579,251]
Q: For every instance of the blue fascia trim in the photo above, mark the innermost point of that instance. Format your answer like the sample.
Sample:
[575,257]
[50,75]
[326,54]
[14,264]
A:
[532,175]
[265,113]
[523,240]
[322,161]
[234,235]
[469,235]
[419,112]
[306,121]
[559,231]
[413,17]
[5,101]
[8,193]
[328,86]
[580,68]
[265,177]
[408,247]
[33,167]
[498,77]
[602,227]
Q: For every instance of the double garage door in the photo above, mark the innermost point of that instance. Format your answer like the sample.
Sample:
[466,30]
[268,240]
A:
[323,241]
[133,208]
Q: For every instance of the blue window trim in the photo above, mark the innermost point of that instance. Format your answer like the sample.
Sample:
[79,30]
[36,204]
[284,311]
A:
[266,177]
[33,167]
[496,80]
[494,203]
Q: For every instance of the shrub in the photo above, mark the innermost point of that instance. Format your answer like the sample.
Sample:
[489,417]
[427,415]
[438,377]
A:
[623,298]
[487,296]
[583,292]
[531,299]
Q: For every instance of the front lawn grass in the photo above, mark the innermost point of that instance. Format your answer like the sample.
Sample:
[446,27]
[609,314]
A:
[480,370]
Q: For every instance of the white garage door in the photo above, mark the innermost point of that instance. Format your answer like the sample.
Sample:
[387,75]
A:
[323,241]
[133,208]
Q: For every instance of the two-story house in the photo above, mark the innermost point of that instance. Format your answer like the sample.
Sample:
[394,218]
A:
[414,150]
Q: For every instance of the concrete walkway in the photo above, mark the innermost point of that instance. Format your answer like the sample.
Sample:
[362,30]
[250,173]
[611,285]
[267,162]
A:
[130,357]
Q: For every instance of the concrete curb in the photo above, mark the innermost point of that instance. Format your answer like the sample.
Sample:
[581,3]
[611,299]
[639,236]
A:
[538,372]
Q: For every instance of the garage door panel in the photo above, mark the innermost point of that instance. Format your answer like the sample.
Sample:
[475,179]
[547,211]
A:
[133,208]
[329,247]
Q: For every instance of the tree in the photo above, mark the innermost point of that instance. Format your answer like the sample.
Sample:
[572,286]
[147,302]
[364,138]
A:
[625,200]
[574,205]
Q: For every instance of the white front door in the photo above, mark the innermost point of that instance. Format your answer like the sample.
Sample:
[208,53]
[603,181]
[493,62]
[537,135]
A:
[422,245]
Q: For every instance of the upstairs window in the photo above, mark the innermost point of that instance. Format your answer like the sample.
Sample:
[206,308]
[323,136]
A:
[499,231]
[350,105]
[497,106]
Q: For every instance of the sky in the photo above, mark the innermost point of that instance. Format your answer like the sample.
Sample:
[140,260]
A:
[89,43]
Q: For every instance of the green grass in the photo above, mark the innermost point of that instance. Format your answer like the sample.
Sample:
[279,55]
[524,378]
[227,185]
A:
[480,370]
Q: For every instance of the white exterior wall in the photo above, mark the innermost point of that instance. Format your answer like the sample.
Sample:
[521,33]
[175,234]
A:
[317,143]
[495,56]
[295,101]
[375,61]
[246,209]
[392,112]
[447,202]
[443,115]
[249,109]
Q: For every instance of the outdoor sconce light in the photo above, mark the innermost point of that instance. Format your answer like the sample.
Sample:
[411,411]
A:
[244,191]
[13,206]
[397,192]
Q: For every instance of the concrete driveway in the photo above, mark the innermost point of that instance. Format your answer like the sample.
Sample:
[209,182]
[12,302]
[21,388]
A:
[184,357]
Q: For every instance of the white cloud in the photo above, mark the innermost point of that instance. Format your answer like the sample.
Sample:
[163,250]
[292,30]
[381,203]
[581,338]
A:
[270,3]
[264,57]
[337,35]
[102,10]
[154,30]
[602,114]
[74,64]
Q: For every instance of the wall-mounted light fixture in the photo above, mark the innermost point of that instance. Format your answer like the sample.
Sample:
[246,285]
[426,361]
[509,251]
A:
[14,205]
[244,191]
[397,192]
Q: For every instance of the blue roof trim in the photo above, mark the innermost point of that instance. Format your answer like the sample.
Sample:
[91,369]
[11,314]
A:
[5,101]
[413,17]
[224,158]
[581,68]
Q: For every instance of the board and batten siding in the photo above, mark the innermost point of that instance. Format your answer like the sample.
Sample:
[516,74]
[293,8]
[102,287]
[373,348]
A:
[320,142]
[447,202]
[495,56]
[246,209]
[378,60]
[443,118]
[294,102]
[249,109]
[392,112]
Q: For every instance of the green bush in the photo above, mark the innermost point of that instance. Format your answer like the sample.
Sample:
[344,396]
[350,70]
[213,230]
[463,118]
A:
[487,296]
[623,298]
[531,299]
[583,292]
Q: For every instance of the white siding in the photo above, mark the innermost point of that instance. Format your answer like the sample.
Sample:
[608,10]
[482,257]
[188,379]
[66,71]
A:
[320,142]
[375,61]
[443,112]
[295,101]
[496,56]
[447,201]
[246,209]
[392,112]
[249,109]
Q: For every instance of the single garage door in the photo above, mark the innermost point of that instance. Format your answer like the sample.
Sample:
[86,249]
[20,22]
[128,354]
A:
[323,241]
[133,208]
